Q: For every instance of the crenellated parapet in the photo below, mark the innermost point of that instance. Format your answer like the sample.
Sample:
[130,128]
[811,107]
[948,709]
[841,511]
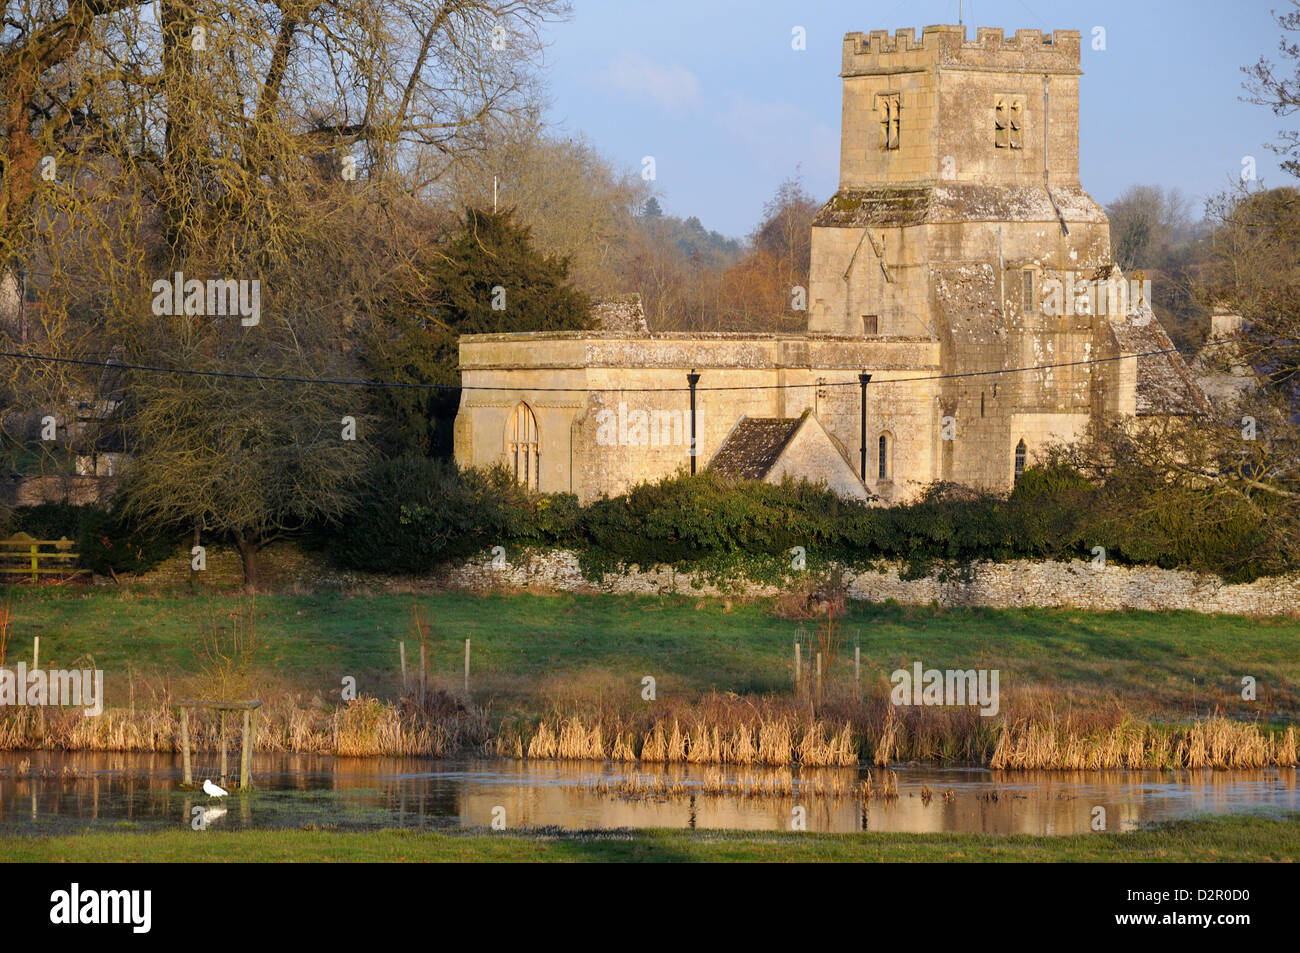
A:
[949,45]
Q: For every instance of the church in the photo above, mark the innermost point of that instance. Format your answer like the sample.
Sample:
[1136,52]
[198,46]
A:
[964,311]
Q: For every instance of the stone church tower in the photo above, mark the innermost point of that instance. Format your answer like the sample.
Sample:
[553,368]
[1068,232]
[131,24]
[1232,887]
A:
[959,263]
[959,211]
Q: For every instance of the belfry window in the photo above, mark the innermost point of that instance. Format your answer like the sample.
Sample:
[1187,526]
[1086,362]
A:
[882,457]
[522,446]
[1008,117]
[890,107]
[1020,459]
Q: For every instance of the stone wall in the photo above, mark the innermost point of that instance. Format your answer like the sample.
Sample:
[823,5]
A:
[620,378]
[1020,584]
[949,85]
[81,490]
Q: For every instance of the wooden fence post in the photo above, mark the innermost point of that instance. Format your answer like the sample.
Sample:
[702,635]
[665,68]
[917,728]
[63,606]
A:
[252,743]
[186,778]
[857,671]
[798,658]
[246,752]
[222,729]
[424,674]
[467,666]
[401,651]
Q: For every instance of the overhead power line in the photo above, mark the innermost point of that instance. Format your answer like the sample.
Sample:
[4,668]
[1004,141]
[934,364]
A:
[357,382]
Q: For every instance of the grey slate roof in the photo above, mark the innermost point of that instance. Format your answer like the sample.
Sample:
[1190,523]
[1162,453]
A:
[1165,385]
[753,446]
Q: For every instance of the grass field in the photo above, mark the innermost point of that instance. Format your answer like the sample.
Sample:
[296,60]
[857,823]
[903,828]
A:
[530,651]
[1202,840]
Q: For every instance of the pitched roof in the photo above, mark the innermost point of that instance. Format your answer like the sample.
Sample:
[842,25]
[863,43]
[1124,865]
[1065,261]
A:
[1165,385]
[753,446]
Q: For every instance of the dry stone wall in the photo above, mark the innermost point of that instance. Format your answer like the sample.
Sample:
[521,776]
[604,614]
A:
[1019,584]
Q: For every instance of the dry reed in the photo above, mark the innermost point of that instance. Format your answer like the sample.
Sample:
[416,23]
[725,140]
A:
[364,727]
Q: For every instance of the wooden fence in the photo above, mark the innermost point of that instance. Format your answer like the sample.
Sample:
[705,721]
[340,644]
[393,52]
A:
[22,555]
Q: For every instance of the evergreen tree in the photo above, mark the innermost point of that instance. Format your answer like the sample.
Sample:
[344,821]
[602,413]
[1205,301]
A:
[487,277]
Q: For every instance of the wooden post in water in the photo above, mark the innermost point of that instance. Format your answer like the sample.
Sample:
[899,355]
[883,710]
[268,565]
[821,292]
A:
[248,740]
[467,667]
[252,741]
[222,729]
[401,651]
[186,778]
[798,658]
[246,751]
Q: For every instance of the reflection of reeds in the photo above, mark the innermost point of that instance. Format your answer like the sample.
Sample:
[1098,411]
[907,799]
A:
[886,790]
[780,783]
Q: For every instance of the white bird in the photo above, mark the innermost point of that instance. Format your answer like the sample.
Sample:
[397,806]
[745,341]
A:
[213,790]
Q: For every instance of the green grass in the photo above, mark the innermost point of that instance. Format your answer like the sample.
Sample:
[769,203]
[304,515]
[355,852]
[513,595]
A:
[529,648]
[1241,838]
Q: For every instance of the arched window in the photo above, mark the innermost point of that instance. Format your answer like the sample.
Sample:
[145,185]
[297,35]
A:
[1020,459]
[1007,117]
[882,457]
[890,105]
[521,446]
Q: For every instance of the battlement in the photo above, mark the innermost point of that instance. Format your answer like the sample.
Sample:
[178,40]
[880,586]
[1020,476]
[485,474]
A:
[948,45]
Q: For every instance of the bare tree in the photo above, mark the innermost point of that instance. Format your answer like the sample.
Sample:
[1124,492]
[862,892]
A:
[1272,86]
[274,153]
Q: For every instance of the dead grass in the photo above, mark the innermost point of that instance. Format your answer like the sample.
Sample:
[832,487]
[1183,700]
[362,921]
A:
[1074,744]
[365,727]
[779,730]
[775,730]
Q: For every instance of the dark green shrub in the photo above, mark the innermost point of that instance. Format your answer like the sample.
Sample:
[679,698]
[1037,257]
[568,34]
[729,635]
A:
[47,520]
[689,517]
[414,512]
[1053,509]
[111,544]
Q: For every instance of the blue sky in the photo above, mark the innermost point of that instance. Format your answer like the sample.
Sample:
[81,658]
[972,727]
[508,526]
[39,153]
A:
[713,90]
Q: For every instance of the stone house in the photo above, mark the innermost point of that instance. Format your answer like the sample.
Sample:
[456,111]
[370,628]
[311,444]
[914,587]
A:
[964,309]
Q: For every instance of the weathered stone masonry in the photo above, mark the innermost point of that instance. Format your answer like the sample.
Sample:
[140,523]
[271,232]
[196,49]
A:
[1020,584]
[935,265]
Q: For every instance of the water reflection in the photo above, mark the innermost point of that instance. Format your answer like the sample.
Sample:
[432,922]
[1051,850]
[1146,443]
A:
[44,792]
